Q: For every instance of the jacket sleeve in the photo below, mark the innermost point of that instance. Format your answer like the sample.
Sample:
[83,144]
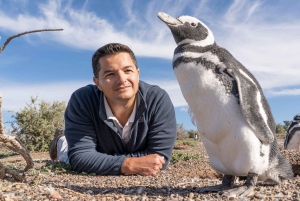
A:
[162,131]
[81,136]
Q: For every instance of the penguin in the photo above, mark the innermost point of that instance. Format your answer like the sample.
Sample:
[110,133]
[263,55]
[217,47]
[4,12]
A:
[228,108]
[292,138]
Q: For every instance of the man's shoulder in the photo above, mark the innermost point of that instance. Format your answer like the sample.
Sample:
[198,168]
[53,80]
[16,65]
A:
[87,91]
[90,88]
[152,92]
[146,88]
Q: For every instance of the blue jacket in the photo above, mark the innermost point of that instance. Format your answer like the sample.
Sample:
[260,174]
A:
[96,146]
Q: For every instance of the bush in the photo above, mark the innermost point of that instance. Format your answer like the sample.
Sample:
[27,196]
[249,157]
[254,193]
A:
[280,131]
[36,123]
[181,132]
[186,141]
[179,156]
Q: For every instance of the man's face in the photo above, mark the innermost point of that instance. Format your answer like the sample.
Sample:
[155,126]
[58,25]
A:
[118,77]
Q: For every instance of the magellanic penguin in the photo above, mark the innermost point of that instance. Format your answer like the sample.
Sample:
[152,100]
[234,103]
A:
[292,138]
[229,109]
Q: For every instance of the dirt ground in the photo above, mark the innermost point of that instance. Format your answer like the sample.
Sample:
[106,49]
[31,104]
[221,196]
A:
[181,180]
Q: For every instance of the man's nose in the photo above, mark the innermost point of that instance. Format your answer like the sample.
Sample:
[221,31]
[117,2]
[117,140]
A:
[121,78]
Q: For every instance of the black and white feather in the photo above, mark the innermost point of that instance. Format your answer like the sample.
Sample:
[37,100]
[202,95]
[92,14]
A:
[227,104]
[292,138]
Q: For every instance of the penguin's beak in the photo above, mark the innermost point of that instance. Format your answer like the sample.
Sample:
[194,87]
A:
[169,20]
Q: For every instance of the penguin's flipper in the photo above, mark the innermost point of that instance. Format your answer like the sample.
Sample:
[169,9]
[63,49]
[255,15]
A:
[291,140]
[253,104]
[287,139]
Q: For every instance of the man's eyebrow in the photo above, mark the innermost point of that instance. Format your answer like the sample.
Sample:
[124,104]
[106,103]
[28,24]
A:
[128,66]
[108,71]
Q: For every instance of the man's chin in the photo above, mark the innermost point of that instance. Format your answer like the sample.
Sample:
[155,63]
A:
[125,97]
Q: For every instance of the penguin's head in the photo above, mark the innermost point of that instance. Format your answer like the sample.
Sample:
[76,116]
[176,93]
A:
[297,118]
[187,29]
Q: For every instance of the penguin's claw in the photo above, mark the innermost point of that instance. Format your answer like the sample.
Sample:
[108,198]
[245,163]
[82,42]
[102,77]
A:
[242,191]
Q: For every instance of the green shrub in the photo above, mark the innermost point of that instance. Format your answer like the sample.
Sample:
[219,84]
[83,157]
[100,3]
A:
[179,156]
[186,141]
[57,167]
[280,131]
[36,123]
[181,132]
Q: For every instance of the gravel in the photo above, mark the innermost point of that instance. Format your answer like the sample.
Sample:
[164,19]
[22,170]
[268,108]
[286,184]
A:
[180,181]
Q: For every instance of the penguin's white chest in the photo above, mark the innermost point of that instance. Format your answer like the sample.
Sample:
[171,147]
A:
[231,145]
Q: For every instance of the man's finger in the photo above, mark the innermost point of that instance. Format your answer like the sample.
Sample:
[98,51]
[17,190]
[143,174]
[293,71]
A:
[162,159]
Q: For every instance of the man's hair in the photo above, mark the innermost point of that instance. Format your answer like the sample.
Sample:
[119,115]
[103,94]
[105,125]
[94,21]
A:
[110,49]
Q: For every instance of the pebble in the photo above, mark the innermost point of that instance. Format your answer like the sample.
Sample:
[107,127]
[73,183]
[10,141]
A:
[180,182]
[140,190]
[56,196]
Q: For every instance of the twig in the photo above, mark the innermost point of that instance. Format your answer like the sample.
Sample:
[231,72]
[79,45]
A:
[23,33]
[1,120]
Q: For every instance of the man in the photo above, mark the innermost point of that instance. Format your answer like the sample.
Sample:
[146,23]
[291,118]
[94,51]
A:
[292,138]
[120,125]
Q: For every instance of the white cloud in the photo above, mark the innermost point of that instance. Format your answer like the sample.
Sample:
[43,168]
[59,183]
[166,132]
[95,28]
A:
[269,49]
[267,43]
[184,109]
[85,30]
[284,92]
[16,95]
[173,89]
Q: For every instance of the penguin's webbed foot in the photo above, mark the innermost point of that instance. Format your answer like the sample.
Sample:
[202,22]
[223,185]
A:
[227,183]
[245,190]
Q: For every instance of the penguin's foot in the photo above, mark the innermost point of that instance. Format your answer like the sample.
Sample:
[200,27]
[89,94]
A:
[245,190]
[227,183]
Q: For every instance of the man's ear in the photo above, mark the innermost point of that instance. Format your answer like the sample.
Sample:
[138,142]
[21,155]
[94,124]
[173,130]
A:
[96,81]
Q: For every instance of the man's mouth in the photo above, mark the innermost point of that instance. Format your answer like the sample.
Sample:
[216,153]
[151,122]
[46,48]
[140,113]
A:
[121,88]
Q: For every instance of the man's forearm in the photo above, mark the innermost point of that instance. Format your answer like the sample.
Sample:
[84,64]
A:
[95,162]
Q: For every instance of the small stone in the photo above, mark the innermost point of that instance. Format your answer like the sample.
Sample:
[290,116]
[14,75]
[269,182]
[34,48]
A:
[279,195]
[56,196]
[105,191]
[191,195]
[68,185]
[163,191]
[140,190]
[259,196]
[134,198]
[144,198]
[90,192]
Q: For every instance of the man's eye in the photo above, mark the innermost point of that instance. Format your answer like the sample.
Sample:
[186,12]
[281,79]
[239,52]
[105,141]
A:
[193,24]
[108,75]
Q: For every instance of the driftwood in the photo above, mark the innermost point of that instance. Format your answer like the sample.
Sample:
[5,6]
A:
[12,142]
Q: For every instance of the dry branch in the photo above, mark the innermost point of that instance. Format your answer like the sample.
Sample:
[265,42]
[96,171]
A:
[15,145]
[23,33]
[11,141]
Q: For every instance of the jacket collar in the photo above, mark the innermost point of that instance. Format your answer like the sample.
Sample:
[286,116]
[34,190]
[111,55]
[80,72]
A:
[141,106]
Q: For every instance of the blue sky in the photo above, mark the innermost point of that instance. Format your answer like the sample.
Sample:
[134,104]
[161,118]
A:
[262,35]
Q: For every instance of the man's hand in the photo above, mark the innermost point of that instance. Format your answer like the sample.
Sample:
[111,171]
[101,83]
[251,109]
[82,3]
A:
[145,165]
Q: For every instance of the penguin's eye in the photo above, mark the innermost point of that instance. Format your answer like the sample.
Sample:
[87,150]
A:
[193,24]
